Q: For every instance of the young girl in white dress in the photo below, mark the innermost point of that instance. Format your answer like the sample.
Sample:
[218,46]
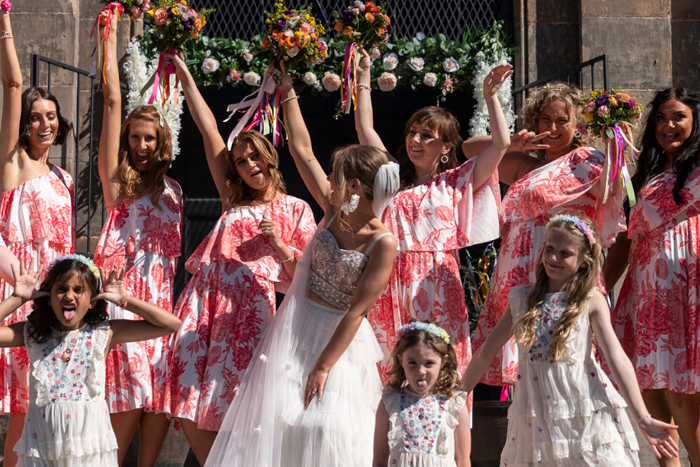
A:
[565,410]
[67,337]
[423,420]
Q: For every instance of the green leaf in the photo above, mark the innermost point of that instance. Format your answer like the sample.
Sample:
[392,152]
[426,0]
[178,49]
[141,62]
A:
[609,133]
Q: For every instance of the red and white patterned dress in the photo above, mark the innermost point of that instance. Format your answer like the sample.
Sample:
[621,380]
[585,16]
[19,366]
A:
[657,313]
[145,241]
[560,186]
[431,222]
[36,222]
[227,305]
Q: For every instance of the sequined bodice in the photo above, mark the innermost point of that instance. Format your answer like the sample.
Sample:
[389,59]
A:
[334,271]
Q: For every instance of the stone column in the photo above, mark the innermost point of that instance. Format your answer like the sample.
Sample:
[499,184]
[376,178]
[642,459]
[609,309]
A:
[685,43]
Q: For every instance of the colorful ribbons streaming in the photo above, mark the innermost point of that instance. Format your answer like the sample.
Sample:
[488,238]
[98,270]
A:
[264,108]
[104,19]
[620,141]
[348,90]
[161,80]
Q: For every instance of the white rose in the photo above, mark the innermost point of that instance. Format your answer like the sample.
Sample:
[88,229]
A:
[390,61]
[293,51]
[310,78]
[251,78]
[387,82]
[450,65]
[210,65]
[430,80]
[375,54]
[248,57]
[416,64]
[331,82]
[207,53]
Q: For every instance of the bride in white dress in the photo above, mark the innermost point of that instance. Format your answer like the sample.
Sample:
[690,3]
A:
[309,395]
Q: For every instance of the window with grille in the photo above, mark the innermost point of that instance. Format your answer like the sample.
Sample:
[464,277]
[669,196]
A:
[242,19]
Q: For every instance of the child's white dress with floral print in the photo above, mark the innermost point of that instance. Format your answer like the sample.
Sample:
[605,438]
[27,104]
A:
[421,432]
[564,413]
[67,422]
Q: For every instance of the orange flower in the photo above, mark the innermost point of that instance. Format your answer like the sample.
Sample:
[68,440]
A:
[381,31]
[194,34]
[266,42]
[338,26]
[347,31]
[198,25]
[622,97]
[277,35]
[386,18]
[369,17]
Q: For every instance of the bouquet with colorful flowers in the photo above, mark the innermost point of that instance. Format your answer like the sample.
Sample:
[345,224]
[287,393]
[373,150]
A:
[133,8]
[360,25]
[610,116]
[174,23]
[104,20]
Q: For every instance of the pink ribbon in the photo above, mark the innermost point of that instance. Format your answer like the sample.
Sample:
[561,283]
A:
[161,79]
[348,90]
[110,9]
[617,166]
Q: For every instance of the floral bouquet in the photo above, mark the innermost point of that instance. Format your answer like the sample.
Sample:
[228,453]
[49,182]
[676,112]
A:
[293,37]
[133,8]
[610,116]
[360,25]
[174,23]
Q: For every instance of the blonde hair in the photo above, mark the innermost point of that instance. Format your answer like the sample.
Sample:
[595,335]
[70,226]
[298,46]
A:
[577,290]
[359,162]
[544,95]
[268,153]
[448,382]
[131,178]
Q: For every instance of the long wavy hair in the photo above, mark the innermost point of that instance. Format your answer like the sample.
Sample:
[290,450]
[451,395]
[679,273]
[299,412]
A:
[652,157]
[577,290]
[239,189]
[447,128]
[129,177]
[43,320]
[448,379]
[29,96]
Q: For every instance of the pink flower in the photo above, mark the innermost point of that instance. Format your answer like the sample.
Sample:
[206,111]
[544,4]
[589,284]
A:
[602,110]
[5,5]
[590,107]
[160,16]
[233,75]
[136,12]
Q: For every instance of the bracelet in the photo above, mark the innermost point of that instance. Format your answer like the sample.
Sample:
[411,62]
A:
[291,257]
[365,86]
[645,416]
[289,99]
[123,304]
[6,35]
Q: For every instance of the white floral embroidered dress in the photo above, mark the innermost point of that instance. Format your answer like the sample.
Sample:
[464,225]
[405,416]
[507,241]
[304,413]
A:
[656,317]
[144,240]
[227,305]
[562,185]
[564,413]
[431,222]
[36,222]
[67,422]
[421,428]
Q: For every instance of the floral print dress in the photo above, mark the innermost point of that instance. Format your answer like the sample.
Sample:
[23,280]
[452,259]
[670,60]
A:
[561,186]
[227,306]
[431,222]
[144,240]
[36,222]
[657,313]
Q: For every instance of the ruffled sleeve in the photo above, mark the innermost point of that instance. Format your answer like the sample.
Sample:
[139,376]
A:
[517,301]
[95,377]
[453,407]
[41,378]
[391,403]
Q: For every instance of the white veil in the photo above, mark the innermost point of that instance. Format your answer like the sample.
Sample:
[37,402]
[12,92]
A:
[386,183]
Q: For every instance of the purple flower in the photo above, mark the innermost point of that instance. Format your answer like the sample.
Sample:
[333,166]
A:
[280,23]
[189,25]
[288,12]
[346,16]
[601,101]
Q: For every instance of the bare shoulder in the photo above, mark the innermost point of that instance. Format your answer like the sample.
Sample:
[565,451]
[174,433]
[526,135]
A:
[514,166]
[598,307]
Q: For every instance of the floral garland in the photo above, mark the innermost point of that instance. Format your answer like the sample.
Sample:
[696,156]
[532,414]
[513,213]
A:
[138,68]
[479,124]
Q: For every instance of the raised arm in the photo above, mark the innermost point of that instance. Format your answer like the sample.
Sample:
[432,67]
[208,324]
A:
[364,119]
[26,283]
[484,356]
[214,145]
[654,431]
[369,287]
[108,156]
[308,166]
[11,90]
[491,155]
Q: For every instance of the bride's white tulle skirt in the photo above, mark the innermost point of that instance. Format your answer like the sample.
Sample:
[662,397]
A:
[267,425]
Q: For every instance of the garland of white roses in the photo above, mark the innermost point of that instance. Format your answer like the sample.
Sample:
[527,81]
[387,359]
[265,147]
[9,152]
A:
[138,70]
[479,124]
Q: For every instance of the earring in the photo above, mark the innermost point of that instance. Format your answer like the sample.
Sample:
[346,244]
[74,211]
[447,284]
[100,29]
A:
[240,181]
[577,135]
[350,206]
[444,159]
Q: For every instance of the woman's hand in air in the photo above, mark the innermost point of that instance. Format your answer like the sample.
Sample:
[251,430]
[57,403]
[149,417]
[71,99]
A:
[525,140]
[26,283]
[113,289]
[496,78]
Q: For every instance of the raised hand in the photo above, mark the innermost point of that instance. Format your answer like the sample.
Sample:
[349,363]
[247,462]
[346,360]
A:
[284,82]
[113,289]
[656,434]
[27,283]
[525,140]
[496,78]
[365,63]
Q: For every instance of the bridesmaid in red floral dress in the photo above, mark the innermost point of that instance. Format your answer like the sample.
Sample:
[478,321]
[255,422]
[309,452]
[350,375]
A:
[568,179]
[36,210]
[441,207]
[249,255]
[141,235]
[657,316]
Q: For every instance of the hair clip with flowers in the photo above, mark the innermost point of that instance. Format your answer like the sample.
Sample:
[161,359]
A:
[83,259]
[426,327]
[577,222]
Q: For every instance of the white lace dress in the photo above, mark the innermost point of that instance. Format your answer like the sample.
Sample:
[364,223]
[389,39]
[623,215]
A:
[67,422]
[421,432]
[564,413]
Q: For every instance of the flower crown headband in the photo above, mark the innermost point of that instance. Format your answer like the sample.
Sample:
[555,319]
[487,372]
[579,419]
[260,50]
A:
[426,327]
[577,222]
[83,259]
